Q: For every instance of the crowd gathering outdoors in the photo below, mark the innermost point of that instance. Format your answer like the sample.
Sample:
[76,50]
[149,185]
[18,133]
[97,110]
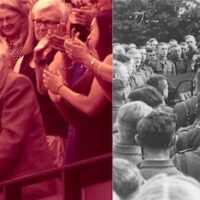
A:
[156,145]
[55,86]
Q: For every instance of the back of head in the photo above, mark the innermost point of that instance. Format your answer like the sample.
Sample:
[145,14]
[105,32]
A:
[163,187]
[157,81]
[128,116]
[157,130]
[148,95]
[126,178]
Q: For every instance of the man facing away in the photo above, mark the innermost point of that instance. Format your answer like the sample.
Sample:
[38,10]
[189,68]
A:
[23,148]
[128,116]
[156,134]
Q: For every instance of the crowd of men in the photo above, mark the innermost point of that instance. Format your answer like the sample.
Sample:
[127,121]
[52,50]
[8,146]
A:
[156,149]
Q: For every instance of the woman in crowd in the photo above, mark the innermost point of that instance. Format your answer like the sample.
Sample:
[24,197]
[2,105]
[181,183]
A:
[85,104]
[47,15]
[13,27]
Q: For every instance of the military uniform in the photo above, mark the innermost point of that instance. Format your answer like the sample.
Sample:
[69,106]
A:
[136,78]
[148,71]
[181,66]
[165,67]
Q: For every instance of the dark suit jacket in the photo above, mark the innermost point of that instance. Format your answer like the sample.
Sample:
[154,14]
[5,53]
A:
[23,146]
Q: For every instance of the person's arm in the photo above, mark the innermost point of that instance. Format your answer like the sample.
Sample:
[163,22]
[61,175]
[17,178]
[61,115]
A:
[89,105]
[18,106]
[78,51]
[101,69]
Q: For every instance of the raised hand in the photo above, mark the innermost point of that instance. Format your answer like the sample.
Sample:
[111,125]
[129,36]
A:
[42,49]
[76,49]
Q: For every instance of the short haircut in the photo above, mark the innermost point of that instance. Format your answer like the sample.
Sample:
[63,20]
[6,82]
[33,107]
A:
[128,117]
[190,36]
[157,130]
[183,43]
[161,44]
[122,58]
[152,40]
[132,52]
[126,178]
[149,50]
[148,95]
[157,81]
[173,40]
[164,187]
[55,5]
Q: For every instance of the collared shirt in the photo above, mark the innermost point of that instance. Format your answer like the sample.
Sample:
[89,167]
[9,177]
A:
[136,78]
[165,67]
[181,66]
[147,70]
[150,168]
[129,152]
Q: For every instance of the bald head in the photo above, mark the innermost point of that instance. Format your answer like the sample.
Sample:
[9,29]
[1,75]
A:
[127,119]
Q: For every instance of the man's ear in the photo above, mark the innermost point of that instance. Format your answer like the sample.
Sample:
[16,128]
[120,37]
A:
[137,139]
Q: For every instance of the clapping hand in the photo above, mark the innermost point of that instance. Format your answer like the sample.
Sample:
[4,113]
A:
[42,49]
[52,81]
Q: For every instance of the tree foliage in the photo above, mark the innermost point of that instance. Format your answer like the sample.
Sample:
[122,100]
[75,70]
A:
[138,20]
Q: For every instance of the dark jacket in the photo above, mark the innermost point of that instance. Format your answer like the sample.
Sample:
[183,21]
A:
[23,146]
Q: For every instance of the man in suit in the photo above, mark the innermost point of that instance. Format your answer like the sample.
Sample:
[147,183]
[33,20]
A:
[23,148]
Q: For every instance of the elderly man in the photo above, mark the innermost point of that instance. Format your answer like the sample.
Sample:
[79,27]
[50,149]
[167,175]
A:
[23,148]
[128,117]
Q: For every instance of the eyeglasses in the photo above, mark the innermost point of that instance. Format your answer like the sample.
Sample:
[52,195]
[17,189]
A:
[46,23]
[8,19]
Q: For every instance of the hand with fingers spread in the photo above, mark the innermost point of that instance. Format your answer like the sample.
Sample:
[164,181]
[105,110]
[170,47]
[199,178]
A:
[52,81]
[57,42]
